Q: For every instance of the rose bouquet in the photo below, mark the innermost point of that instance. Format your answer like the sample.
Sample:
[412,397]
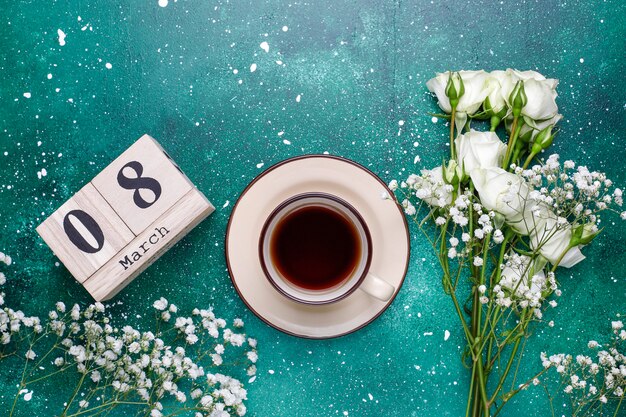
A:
[504,222]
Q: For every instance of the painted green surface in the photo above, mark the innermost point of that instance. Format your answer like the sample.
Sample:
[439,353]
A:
[359,67]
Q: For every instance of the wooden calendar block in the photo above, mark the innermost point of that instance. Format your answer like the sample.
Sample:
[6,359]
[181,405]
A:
[85,233]
[142,183]
[124,219]
[157,238]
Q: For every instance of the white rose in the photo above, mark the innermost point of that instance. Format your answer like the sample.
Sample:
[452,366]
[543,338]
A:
[539,125]
[552,236]
[541,94]
[505,193]
[479,150]
[476,89]
[432,189]
[498,84]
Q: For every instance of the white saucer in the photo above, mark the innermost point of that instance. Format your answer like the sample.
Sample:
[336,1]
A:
[321,173]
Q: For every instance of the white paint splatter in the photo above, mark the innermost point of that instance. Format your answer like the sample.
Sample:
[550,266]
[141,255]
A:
[49,76]
[252,67]
[265,46]
[260,164]
[428,333]
[251,380]
[271,371]
[298,97]
[226,204]
[279,62]
[108,65]
[371,397]
[400,122]
[286,142]
[28,396]
[285,28]
[27,95]
[416,159]
[163,3]
[235,71]
[282,132]
[434,119]
[61,37]
[446,335]
[582,60]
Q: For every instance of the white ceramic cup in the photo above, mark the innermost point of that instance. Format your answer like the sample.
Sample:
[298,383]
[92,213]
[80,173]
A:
[361,278]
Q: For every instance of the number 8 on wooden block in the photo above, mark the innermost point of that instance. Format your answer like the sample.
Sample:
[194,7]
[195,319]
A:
[128,216]
[142,183]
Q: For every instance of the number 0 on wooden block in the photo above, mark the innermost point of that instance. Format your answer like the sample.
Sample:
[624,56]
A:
[124,219]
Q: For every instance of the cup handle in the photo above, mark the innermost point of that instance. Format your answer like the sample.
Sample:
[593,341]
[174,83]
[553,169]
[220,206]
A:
[377,287]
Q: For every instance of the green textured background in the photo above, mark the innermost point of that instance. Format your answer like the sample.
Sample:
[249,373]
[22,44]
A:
[360,67]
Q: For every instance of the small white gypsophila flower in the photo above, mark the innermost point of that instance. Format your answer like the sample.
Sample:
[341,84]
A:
[125,359]
[482,289]
[409,208]
[252,356]
[477,261]
[452,253]
[160,304]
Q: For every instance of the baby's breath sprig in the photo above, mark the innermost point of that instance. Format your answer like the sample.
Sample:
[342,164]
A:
[170,370]
[594,383]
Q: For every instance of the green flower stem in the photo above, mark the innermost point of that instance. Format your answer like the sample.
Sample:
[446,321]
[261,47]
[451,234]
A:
[443,259]
[511,359]
[107,404]
[32,381]
[619,404]
[516,154]
[478,354]
[529,159]
[470,393]
[21,385]
[511,144]
[452,119]
[516,391]
[494,122]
